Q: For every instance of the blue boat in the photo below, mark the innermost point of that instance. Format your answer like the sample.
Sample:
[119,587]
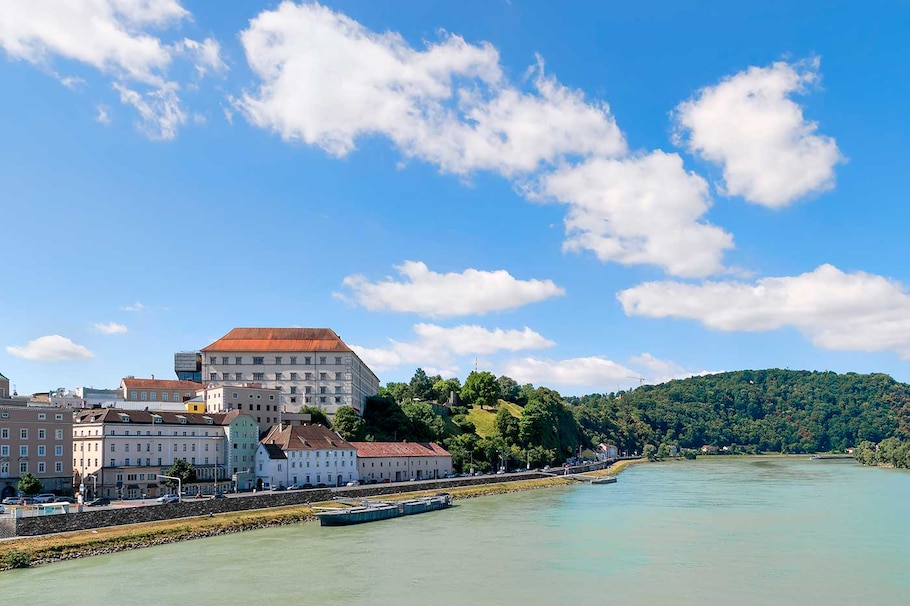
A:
[373,511]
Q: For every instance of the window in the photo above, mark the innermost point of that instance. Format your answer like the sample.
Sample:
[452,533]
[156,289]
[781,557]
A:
[113,448]
[58,466]
[59,417]
[293,400]
[4,433]
[4,450]
[58,434]
[306,360]
[259,376]
[234,395]
[277,360]
[337,376]
[225,376]
[113,462]
[323,376]
[41,451]
[338,389]
[238,360]
[134,395]
[337,359]
[322,389]
[41,468]
[23,467]
[58,450]
[278,376]
[293,389]
[23,433]
[153,396]
[42,416]
[237,376]
[322,359]
[212,360]
[307,389]
[293,376]
[126,461]
[258,361]
[212,377]
[337,400]
[224,359]
[308,376]
[322,399]
[164,397]
[144,396]
[293,360]
[126,448]
[23,451]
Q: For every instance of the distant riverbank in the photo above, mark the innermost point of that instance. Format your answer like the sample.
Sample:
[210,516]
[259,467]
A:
[32,551]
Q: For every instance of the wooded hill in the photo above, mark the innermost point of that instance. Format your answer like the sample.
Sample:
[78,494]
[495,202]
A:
[767,410]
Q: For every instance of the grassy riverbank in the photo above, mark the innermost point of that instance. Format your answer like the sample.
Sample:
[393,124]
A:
[64,546]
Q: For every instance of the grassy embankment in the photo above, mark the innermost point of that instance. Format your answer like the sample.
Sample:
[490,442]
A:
[51,548]
[484,419]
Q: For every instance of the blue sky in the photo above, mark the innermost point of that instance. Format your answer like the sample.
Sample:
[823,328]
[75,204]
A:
[574,195]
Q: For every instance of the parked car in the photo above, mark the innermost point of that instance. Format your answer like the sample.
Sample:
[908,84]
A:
[353,483]
[99,501]
[218,495]
[321,485]
[278,487]
[46,497]
[168,498]
[385,481]
[64,500]
[11,500]
[294,487]
[306,486]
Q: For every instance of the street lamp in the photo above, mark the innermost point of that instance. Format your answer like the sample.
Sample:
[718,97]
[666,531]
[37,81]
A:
[179,486]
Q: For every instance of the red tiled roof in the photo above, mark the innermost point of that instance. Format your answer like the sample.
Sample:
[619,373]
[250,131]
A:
[306,437]
[399,449]
[279,339]
[133,383]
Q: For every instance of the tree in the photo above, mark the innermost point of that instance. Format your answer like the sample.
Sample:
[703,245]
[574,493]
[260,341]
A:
[480,388]
[508,388]
[316,415]
[443,387]
[30,485]
[349,424]
[426,425]
[649,452]
[183,470]
[507,425]
[399,392]
[421,385]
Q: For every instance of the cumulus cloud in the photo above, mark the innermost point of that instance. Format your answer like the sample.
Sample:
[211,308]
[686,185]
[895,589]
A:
[327,80]
[834,309]
[750,126]
[137,306]
[639,210]
[434,294]
[591,372]
[102,117]
[437,346]
[51,348]
[111,328]
[119,38]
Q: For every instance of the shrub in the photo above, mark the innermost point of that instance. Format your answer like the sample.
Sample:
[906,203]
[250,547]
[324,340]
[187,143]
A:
[17,559]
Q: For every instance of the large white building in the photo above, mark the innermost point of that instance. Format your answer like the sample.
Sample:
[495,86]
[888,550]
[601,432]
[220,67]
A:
[120,452]
[308,366]
[305,454]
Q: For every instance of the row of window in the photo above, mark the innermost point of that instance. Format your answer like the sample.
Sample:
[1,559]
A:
[23,434]
[153,396]
[23,450]
[42,416]
[23,467]
[279,360]
[159,446]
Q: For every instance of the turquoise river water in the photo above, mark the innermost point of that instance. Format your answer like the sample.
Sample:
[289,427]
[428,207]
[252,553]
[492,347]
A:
[732,532]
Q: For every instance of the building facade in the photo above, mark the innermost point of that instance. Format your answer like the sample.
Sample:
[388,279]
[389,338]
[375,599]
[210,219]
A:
[308,366]
[305,454]
[38,441]
[188,366]
[154,391]
[120,453]
[402,461]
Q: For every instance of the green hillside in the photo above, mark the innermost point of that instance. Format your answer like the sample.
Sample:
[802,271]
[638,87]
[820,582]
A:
[485,419]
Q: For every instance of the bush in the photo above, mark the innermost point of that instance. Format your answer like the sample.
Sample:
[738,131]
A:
[17,559]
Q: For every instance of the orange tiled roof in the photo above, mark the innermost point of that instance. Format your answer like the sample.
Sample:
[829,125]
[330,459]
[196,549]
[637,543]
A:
[279,339]
[399,449]
[306,437]
[133,383]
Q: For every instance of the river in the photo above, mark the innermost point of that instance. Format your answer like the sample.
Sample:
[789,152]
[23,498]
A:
[737,532]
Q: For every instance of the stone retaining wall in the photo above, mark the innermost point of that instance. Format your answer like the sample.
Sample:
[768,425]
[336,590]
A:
[32,526]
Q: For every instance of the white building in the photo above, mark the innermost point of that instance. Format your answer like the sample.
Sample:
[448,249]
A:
[402,461]
[309,366]
[120,452]
[305,454]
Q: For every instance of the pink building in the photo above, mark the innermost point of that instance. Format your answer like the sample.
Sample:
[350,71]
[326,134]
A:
[35,440]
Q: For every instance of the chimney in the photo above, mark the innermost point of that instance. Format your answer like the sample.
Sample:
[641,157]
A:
[153,377]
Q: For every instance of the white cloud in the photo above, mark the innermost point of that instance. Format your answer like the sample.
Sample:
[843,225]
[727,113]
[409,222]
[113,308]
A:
[748,124]
[102,116]
[437,345]
[591,372]
[452,294]
[137,306]
[51,348]
[834,309]
[207,54]
[111,328]
[639,210]
[327,80]
[119,38]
